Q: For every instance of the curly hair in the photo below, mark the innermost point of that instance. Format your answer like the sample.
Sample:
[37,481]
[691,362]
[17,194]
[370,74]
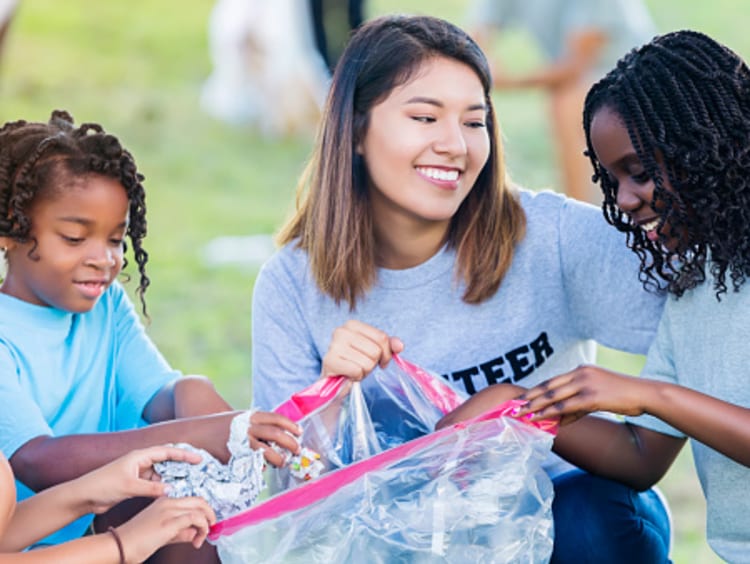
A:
[36,157]
[685,101]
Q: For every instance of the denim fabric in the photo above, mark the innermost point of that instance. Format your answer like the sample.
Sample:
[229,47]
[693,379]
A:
[599,520]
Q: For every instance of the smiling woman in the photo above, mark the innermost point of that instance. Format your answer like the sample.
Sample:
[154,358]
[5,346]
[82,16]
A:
[409,235]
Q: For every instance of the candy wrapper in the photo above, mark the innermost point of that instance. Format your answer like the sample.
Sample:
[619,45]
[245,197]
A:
[228,488]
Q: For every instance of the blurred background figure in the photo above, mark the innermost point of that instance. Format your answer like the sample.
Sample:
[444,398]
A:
[579,41]
[267,72]
[333,22]
[7,9]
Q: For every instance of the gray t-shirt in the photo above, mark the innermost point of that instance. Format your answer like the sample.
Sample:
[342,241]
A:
[626,23]
[572,282]
[702,344]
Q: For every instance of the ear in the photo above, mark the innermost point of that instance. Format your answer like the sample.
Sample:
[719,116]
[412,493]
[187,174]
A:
[6,244]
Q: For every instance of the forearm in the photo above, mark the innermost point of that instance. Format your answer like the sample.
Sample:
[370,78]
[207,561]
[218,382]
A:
[189,396]
[723,426]
[626,453]
[46,461]
[42,514]
[95,549]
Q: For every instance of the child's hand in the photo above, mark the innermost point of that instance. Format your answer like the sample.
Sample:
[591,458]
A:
[356,349]
[480,402]
[166,521]
[268,427]
[585,390]
[131,475]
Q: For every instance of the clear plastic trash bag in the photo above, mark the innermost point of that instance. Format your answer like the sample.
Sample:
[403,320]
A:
[345,422]
[394,490]
[473,492]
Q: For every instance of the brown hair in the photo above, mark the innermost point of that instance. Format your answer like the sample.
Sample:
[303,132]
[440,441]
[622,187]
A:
[333,222]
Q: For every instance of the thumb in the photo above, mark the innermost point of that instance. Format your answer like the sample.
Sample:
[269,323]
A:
[149,488]
[396,345]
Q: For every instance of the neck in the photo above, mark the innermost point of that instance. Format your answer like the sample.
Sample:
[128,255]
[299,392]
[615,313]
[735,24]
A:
[401,248]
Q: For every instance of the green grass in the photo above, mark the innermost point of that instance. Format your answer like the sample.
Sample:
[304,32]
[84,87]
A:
[137,67]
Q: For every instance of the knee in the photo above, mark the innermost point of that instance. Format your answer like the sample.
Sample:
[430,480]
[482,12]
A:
[599,520]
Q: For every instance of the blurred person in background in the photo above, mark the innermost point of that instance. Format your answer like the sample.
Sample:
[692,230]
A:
[7,9]
[333,21]
[579,41]
[267,71]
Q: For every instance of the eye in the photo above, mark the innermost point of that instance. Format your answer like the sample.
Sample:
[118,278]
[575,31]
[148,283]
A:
[72,240]
[116,241]
[476,124]
[424,119]
[641,177]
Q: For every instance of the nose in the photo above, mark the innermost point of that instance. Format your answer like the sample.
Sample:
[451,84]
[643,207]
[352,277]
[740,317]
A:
[101,256]
[451,140]
[629,196]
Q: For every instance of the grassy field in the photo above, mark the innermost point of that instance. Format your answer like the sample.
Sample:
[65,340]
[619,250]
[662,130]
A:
[137,67]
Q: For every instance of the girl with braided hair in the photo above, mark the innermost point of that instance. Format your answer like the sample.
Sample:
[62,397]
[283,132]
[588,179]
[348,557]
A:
[668,133]
[80,381]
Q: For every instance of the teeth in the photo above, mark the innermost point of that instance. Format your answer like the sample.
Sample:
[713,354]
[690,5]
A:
[439,174]
[651,225]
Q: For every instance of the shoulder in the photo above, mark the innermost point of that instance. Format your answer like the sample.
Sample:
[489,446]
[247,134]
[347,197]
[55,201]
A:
[288,263]
[555,211]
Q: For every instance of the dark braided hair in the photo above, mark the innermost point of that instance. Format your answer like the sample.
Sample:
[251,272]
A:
[37,158]
[685,101]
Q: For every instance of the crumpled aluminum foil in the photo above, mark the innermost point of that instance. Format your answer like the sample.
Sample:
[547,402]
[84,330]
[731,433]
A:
[228,488]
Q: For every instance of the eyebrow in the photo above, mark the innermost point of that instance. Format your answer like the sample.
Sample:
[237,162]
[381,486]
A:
[85,222]
[439,104]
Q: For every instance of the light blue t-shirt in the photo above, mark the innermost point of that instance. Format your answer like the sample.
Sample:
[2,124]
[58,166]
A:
[572,282]
[626,23]
[63,373]
[703,344]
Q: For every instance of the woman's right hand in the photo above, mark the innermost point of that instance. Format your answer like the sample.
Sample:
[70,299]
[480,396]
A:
[356,349]
[166,521]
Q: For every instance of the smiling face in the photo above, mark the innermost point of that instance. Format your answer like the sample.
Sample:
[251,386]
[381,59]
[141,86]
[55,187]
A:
[425,146]
[635,188]
[76,246]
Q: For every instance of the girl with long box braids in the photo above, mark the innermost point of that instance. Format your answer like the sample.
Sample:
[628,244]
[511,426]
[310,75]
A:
[80,382]
[409,235]
[668,133]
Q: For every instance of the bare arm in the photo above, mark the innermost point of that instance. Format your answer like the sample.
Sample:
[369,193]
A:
[720,425]
[129,476]
[188,396]
[45,461]
[96,549]
[165,521]
[582,48]
[632,455]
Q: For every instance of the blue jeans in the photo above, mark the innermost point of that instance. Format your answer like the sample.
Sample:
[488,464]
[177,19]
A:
[599,520]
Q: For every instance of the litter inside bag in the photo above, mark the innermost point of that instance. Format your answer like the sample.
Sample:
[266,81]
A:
[473,492]
[344,422]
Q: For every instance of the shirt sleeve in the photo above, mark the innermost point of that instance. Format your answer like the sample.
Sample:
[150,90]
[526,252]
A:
[141,370]
[285,359]
[659,366]
[21,419]
[606,299]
